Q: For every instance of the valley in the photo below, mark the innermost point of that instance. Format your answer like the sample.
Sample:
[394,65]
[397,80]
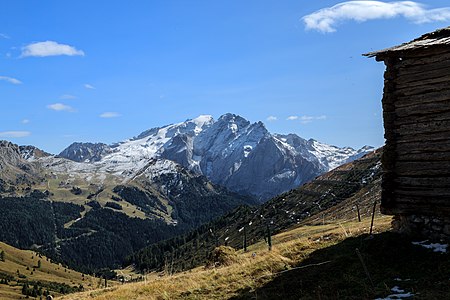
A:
[151,199]
[224,150]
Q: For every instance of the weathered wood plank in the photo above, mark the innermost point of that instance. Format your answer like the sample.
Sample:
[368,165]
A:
[428,192]
[425,202]
[412,120]
[426,88]
[434,63]
[421,157]
[430,168]
[425,182]
[429,58]
[429,137]
[429,97]
[412,208]
[422,199]
[419,77]
[422,147]
[429,126]
[423,109]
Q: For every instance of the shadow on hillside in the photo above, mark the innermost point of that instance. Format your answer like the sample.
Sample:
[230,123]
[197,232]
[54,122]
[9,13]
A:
[388,257]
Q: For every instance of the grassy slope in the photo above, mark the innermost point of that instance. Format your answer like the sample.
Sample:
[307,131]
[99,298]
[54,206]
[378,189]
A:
[19,260]
[329,197]
[62,193]
[308,262]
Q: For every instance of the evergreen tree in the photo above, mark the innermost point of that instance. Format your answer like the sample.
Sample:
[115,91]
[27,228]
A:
[2,255]
[25,289]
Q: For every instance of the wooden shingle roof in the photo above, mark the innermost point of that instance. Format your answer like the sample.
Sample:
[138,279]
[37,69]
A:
[440,37]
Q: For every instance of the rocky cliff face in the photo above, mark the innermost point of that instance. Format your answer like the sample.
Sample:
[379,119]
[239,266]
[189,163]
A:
[15,169]
[242,156]
[86,152]
[231,151]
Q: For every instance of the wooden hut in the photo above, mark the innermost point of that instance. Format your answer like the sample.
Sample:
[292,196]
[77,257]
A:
[416,113]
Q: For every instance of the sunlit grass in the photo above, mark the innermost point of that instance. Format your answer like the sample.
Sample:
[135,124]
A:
[252,269]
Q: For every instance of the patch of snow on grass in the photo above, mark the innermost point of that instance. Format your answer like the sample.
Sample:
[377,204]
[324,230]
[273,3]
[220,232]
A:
[399,279]
[396,289]
[397,296]
[436,247]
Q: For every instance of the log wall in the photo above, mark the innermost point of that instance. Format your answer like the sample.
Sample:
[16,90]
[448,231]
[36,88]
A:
[416,112]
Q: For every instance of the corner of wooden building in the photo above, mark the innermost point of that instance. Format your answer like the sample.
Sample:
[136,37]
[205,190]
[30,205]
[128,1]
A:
[416,114]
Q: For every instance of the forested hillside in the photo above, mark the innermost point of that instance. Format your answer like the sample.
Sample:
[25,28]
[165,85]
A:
[92,237]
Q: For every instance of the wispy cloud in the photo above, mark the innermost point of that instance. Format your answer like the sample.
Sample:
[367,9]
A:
[4,36]
[89,87]
[309,119]
[326,20]
[50,48]
[271,118]
[306,119]
[61,107]
[109,114]
[10,80]
[14,134]
[25,121]
[67,97]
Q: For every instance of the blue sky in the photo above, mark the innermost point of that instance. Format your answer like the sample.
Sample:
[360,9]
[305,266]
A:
[103,71]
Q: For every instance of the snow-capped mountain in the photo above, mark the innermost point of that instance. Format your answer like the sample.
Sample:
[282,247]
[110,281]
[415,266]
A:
[86,152]
[231,151]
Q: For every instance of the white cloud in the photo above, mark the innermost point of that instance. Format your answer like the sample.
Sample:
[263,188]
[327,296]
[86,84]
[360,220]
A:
[67,97]
[4,36]
[50,48]
[309,119]
[88,86]
[14,134]
[25,121]
[109,114]
[326,20]
[271,118]
[10,80]
[306,119]
[60,107]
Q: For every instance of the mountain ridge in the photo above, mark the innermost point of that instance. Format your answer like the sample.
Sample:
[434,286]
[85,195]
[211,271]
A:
[230,151]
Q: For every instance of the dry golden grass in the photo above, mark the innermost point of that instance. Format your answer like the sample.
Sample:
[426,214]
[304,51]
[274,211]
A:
[249,272]
[17,260]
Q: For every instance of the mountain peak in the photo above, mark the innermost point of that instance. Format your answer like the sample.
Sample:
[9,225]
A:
[201,119]
[229,117]
[200,122]
[85,152]
[230,151]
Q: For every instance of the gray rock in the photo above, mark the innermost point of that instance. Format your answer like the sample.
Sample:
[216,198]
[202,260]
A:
[233,152]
